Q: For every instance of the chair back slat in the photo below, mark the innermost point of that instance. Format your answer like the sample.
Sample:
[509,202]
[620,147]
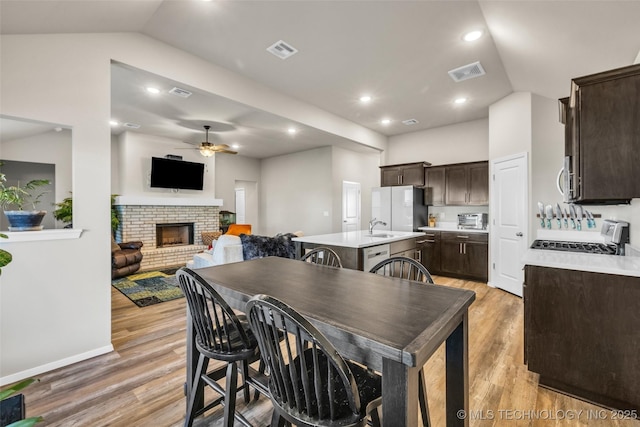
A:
[404,268]
[218,330]
[322,256]
[309,380]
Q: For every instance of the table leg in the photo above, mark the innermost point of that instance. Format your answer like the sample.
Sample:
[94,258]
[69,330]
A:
[457,374]
[399,394]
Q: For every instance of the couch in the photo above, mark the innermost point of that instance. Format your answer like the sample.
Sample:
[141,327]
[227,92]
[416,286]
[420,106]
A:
[125,258]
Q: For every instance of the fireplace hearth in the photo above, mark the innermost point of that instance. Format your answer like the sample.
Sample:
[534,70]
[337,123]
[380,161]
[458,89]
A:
[175,234]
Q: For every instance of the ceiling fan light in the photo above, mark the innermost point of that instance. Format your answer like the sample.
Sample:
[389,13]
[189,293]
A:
[206,151]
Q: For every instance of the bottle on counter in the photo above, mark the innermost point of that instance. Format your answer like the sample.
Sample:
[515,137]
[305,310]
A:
[432,220]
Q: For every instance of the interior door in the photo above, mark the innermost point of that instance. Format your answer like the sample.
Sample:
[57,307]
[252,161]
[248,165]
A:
[509,231]
[350,206]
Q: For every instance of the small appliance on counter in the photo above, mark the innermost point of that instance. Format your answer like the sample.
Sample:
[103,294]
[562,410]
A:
[473,221]
[615,234]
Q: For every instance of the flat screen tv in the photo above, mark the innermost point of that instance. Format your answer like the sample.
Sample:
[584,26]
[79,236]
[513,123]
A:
[169,173]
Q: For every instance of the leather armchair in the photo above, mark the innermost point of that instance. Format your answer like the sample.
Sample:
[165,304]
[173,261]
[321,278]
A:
[125,258]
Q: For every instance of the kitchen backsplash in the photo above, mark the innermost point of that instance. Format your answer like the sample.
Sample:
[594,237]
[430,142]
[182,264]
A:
[450,213]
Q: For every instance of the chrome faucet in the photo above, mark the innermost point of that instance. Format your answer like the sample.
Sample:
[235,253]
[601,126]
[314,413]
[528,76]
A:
[373,223]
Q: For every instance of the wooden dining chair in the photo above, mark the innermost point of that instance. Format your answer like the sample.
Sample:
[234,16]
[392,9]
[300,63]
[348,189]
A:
[310,383]
[410,269]
[322,256]
[220,335]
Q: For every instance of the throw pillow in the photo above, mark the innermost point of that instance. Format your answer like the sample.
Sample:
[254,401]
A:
[254,246]
[238,229]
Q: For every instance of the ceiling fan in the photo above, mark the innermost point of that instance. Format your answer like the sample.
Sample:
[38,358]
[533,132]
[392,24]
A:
[207,149]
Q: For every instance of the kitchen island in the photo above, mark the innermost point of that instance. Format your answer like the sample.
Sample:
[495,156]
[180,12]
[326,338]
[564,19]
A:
[359,249]
[581,323]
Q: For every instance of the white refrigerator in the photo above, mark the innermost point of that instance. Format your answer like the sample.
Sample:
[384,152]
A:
[401,207]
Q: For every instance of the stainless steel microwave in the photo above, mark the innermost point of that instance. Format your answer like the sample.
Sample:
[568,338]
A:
[475,221]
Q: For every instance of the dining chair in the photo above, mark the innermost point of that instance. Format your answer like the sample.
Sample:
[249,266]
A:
[322,256]
[220,335]
[410,269]
[310,383]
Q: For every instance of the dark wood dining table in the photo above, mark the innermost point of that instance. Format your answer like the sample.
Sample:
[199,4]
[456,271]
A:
[390,325]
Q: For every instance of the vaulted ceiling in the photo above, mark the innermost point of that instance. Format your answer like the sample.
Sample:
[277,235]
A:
[398,52]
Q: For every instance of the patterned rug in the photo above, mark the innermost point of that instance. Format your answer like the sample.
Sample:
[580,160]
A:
[149,288]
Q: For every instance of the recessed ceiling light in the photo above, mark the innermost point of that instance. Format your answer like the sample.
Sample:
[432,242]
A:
[153,90]
[460,100]
[472,35]
[235,146]
[365,98]
[113,123]
[385,121]
[292,131]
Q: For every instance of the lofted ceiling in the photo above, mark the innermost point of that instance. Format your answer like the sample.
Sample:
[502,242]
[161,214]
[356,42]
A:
[398,52]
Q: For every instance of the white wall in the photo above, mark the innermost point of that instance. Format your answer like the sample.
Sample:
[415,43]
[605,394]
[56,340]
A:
[134,164]
[459,143]
[65,78]
[355,167]
[296,193]
[229,170]
[510,125]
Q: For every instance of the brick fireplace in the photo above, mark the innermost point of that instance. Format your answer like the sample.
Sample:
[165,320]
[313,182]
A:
[181,222]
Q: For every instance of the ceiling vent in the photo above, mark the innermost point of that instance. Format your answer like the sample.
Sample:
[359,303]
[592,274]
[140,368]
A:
[131,125]
[467,72]
[183,93]
[410,122]
[282,49]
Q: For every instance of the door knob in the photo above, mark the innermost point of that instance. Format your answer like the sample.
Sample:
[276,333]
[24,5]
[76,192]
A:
[519,234]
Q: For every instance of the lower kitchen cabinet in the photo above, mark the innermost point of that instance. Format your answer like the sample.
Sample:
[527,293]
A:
[465,255]
[581,334]
[428,250]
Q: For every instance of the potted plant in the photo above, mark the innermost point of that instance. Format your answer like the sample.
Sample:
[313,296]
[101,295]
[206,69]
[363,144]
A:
[64,212]
[18,197]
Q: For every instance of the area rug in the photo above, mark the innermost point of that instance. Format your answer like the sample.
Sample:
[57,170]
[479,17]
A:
[149,288]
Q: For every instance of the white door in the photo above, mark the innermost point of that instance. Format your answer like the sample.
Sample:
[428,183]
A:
[350,206]
[509,219]
[241,206]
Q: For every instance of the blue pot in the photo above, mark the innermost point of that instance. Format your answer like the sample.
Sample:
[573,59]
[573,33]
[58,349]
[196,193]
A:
[25,220]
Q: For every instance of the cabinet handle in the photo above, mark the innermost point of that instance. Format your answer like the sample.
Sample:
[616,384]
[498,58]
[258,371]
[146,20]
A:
[462,237]
[464,248]
[419,255]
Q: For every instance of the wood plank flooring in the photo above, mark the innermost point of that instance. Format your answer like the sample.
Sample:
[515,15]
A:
[141,382]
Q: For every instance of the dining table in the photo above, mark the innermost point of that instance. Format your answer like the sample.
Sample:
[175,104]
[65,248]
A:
[391,325]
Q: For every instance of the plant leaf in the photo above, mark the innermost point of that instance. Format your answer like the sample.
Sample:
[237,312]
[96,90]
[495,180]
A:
[27,422]
[16,388]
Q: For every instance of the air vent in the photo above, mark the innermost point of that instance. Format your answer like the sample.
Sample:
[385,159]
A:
[131,125]
[282,50]
[467,72]
[183,93]
[410,122]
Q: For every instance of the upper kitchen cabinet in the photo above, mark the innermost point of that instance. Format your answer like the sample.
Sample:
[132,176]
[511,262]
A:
[467,184]
[602,120]
[403,174]
[434,179]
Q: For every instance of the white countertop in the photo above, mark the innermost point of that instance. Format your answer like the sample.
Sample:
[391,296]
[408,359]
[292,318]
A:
[452,229]
[608,264]
[357,239]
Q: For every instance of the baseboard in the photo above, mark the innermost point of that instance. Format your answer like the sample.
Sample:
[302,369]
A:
[28,373]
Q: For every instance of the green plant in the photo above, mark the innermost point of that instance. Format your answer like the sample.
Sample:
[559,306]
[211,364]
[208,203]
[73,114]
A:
[5,257]
[10,391]
[64,212]
[19,196]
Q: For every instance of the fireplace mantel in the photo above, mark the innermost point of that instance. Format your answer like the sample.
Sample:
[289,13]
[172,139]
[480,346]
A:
[165,201]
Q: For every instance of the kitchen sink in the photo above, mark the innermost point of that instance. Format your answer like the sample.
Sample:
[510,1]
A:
[384,235]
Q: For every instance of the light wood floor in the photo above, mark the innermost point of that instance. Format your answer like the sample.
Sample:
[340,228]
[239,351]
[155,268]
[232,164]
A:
[141,382]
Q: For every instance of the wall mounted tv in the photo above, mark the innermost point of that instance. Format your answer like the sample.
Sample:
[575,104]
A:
[169,173]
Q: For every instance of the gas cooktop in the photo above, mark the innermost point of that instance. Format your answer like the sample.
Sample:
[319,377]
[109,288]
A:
[584,247]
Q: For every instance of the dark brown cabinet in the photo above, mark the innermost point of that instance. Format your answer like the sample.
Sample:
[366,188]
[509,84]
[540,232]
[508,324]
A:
[428,248]
[467,184]
[602,136]
[581,334]
[403,174]
[434,179]
[465,255]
